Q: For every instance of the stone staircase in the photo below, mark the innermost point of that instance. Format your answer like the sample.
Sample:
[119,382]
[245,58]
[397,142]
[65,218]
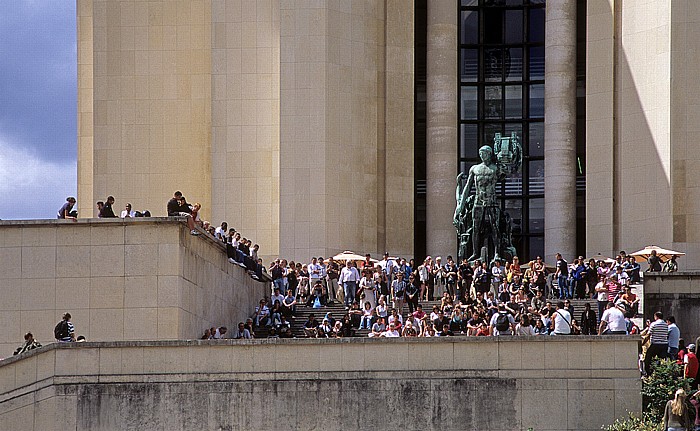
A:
[337,310]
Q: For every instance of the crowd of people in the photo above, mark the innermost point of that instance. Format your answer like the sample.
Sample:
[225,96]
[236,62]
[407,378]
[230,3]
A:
[475,299]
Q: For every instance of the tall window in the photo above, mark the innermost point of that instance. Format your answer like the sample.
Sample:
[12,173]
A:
[501,84]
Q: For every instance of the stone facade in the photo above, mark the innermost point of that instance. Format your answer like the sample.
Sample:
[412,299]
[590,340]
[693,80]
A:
[329,384]
[141,279]
[676,294]
[641,119]
[292,121]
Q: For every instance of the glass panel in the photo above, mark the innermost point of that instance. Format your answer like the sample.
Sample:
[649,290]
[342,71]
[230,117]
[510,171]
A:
[514,26]
[514,185]
[514,101]
[514,208]
[470,65]
[513,59]
[536,33]
[537,62]
[469,103]
[536,100]
[470,26]
[490,130]
[536,248]
[536,177]
[470,2]
[514,2]
[536,139]
[465,166]
[493,25]
[515,127]
[493,102]
[493,64]
[469,141]
[536,222]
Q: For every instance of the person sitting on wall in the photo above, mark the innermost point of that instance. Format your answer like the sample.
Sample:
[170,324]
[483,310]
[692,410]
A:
[107,211]
[241,332]
[175,209]
[29,344]
[66,211]
[127,212]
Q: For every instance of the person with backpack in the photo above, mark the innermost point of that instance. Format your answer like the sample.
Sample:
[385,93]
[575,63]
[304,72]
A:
[502,323]
[64,332]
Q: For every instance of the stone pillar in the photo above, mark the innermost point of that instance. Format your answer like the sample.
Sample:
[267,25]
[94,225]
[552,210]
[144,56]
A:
[441,126]
[560,130]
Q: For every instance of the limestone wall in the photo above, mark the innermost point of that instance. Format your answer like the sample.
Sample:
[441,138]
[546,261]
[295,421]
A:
[419,384]
[676,294]
[142,279]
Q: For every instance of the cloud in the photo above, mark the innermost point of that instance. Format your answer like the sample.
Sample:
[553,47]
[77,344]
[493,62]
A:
[31,187]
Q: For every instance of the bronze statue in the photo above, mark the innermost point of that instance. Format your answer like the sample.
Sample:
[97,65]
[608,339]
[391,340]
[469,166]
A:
[480,223]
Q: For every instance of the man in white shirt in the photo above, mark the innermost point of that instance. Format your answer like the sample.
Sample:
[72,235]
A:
[392,332]
[614,319]
[314,271]
[562,320]
[128,212]
[389,266]
[497,276]
[221,231]
[349,277]
[277,296]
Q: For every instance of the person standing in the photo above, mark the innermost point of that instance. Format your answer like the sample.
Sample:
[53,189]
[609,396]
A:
[398,291]
[588,320]
[658,331]
[561,320]
[562,275]
[349,277]
[674,336]
[676,415]
[614,319]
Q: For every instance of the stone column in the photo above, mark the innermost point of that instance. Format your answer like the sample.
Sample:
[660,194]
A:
[441,126]
[560,130]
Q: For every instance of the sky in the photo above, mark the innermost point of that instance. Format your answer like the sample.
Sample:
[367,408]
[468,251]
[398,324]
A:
[38,107]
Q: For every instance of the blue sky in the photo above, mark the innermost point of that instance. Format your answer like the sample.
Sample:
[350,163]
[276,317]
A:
[38,103]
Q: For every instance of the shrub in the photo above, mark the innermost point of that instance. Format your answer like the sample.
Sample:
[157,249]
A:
[666,377]
[634,423]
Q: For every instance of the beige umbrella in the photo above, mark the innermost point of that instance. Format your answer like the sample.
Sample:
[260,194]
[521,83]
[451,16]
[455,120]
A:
[602,257]
[663,254]
[352,256]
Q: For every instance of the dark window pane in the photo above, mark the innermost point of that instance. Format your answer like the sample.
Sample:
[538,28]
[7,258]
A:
[465,166]
[470,26]
[536,215]
[493,25]
[514,101]
[469,103]
[515,127]
[470,2]
[470,65]
[514,2]
[536,139]
[536,247]
[514,185]
[514,26]
[493,64]
[513,59]
[469,141]
[514,208]
[536,33]
[537,101]
[493,102]
[536,177]
[490,130]
[537,63]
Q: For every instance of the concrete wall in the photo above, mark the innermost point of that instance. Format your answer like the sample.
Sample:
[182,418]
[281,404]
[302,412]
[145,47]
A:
[142,279]
[419,384]
[676,294]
